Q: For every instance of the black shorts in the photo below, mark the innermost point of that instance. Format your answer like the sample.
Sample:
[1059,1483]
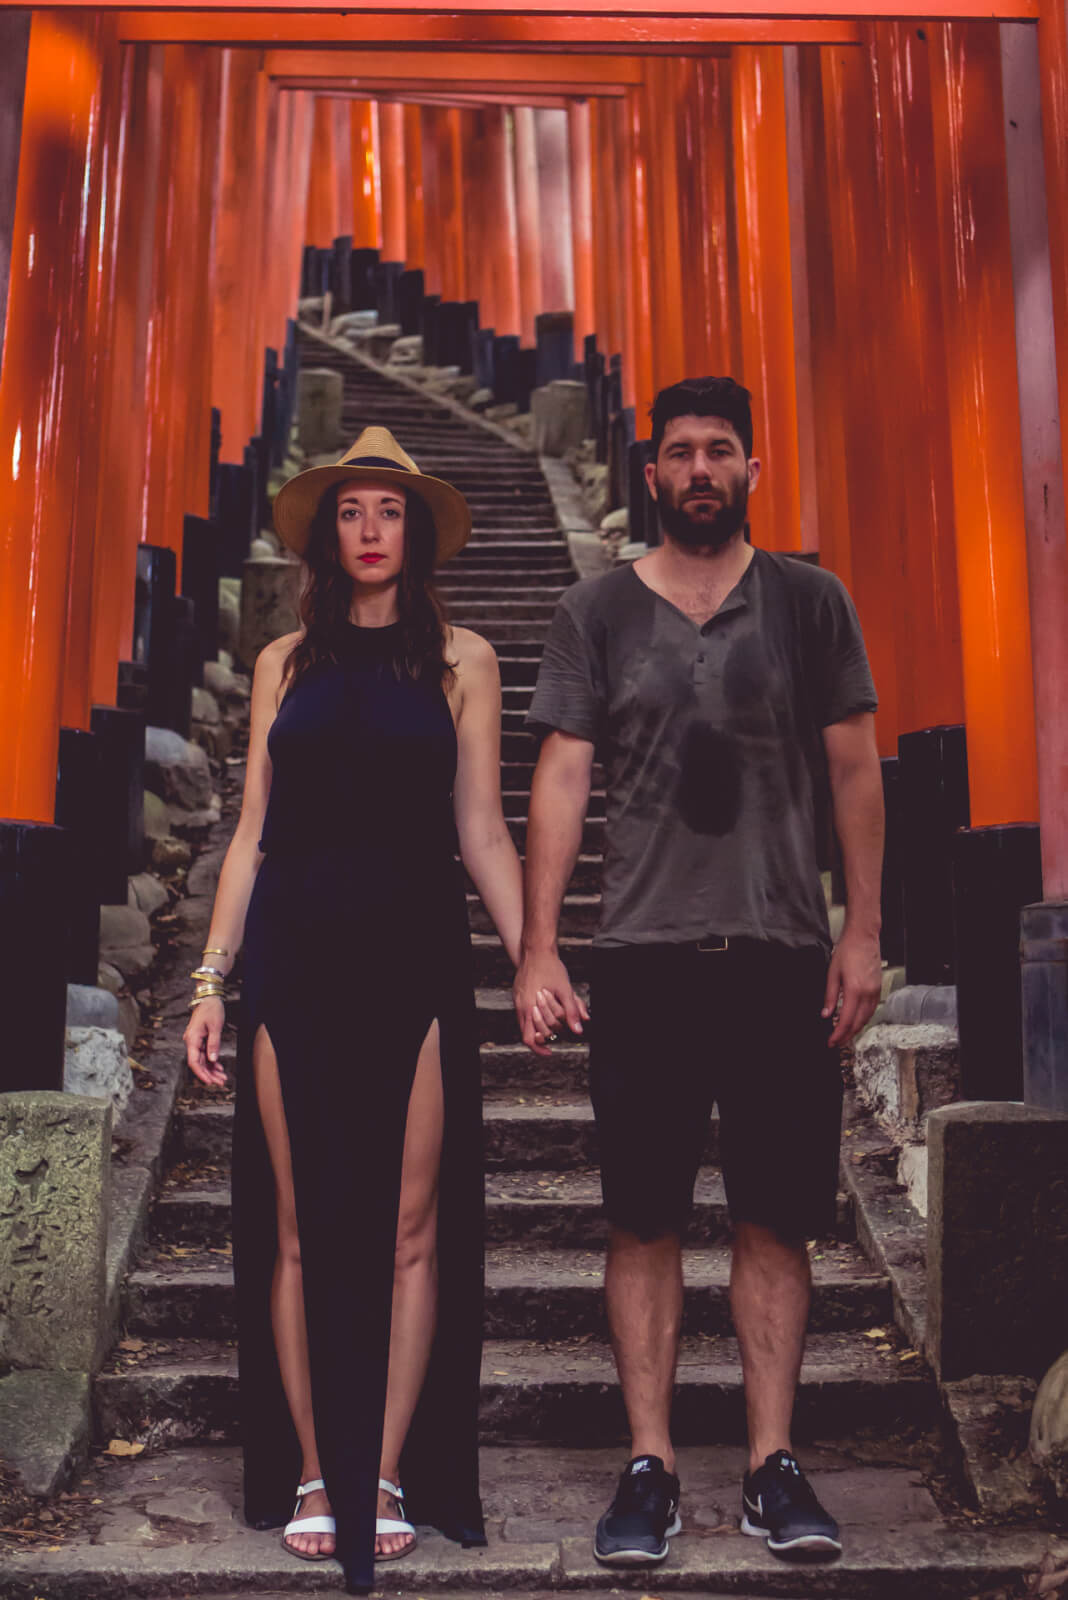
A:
[675,1030]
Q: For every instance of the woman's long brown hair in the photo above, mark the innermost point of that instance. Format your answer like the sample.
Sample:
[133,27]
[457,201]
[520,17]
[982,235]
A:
[327,597]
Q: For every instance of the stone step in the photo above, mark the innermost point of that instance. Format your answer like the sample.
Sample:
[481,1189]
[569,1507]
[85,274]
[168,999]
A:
[557,1208]
[532,1292]
[523,1129]
[466,595]
[181,1392]
[168,1524]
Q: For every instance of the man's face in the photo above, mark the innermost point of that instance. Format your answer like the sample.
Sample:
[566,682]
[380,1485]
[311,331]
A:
[701,481]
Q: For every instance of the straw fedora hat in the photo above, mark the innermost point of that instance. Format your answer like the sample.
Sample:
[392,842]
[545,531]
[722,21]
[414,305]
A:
[375,457]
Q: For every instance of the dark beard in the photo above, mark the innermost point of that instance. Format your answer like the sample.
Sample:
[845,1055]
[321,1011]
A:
[704,532]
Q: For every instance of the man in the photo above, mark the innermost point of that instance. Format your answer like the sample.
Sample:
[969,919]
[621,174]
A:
[722,687]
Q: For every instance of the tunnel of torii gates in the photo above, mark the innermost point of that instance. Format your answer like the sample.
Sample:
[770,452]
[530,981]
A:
[862,215]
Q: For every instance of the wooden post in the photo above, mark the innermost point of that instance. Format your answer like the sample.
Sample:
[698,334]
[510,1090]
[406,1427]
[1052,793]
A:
[366,203]
[414,202]
[557,285]
[500,181]
[984,420]
[762,203]
[527,221]
[581,191]
[39,425]
[638,388]
[321,229]
[394,174]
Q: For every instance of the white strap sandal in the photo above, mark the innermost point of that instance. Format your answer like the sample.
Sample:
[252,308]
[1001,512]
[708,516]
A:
[308,1524]
[385,1525]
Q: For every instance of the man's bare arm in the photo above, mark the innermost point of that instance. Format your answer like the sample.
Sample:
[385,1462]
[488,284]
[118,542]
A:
[559,797]
[857,791]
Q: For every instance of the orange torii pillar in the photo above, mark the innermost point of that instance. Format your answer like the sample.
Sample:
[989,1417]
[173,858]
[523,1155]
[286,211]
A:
[366,202]
[799,288]
[344,168]
[609,268]
[238,229]
[581,192]
[554,203]
[704,170]
[40,441]
[500,201]
[997,865]
[1044,927]
[414,190]
[872,478]
[321,229]
[637,337]
[762,205]
[1053,68]
[528,220]
[661,108]
[393,176]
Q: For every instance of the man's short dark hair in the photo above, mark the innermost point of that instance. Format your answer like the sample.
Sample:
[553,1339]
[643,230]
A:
[704,397]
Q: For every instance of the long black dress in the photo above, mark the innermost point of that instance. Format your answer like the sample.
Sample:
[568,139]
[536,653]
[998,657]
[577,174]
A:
[356,940]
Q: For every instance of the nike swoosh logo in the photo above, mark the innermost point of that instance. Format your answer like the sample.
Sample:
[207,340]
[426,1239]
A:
[757,1508]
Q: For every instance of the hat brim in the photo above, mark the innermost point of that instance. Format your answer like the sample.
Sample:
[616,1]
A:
[298,500]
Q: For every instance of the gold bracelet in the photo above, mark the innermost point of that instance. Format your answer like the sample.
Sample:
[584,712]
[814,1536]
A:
[215,950]
[207,972]
[201,998]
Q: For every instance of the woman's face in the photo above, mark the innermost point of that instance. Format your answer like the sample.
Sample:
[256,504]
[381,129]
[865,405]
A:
[370,534]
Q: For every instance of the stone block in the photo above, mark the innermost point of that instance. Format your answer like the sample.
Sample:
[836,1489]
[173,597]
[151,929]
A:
[229,614]
[633,550]
[596,490]
[96,1063]
[126,941]
[177,770]
[561,416]
[991,1417]
[157,817]
[55,1154]
[216,741]
[319,399]
[44,1425]
[503,412]
[89,1007]
[902,1072]
[147,894]
[406,351]
[270,595]
[921,1002]
[912,1175]
[170,854]
[190,824]
[205,707]
[997,1239]
[1048,1433]
[616,522]
[261,550]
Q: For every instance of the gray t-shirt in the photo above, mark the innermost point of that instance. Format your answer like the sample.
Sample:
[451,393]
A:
[711,743]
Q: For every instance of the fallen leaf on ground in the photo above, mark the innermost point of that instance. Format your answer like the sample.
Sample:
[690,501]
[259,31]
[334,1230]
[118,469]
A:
[131,1344]
[876,1333]
[123,1447]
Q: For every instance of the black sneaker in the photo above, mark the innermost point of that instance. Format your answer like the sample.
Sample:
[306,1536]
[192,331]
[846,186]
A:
[779,1505]
[635,1529]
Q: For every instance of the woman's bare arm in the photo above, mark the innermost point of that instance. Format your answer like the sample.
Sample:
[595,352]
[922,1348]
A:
[241,862]
[485,844]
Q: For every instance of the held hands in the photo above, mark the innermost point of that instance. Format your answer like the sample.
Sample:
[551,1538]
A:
[855,975]
[202,1036]
[545,1000]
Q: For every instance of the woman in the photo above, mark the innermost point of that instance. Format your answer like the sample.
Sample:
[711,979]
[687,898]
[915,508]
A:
[358,1200]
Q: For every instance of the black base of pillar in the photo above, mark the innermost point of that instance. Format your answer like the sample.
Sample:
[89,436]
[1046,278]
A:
[555,338]
[1044,992]
[482,343]
[642,520]
[35,866]
[892,939]
[186,666]
[153,640]
[200,583]
[364,266]
[387,277]
[996,872]
[121,849]
[131,693]
[236,513]
[78,811]
[933,800]
[411,288]
[341,275]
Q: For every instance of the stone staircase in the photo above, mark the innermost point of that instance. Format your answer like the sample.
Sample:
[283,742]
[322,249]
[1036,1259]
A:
[552,1420]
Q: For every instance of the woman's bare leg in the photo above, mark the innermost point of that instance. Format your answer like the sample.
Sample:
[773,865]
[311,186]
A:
[287,1293]
[415,1274]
